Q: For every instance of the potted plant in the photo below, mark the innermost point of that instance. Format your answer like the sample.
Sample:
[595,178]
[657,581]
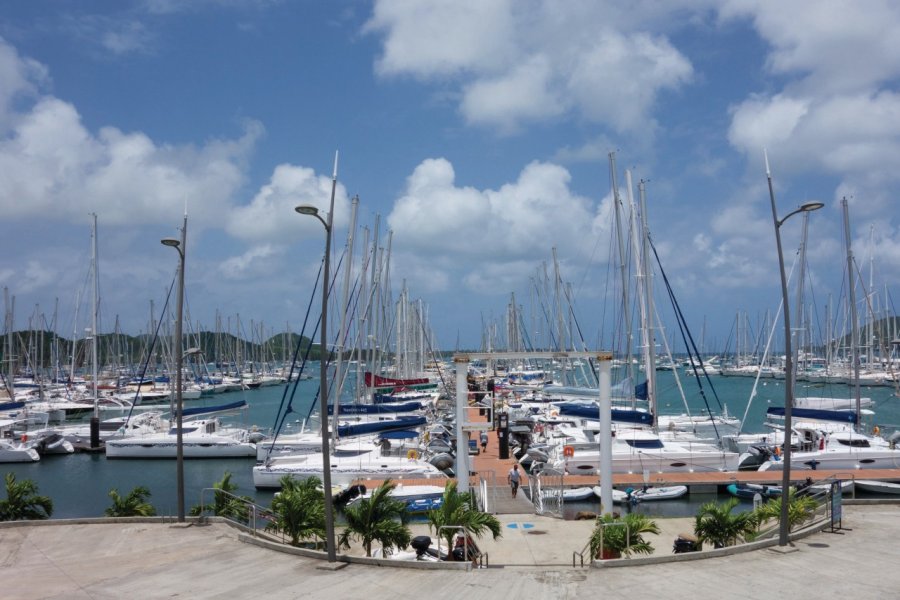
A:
[801,508]
[716,524]
[615,536]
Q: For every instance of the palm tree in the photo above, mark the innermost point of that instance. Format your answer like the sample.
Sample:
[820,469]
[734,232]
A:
[133,505]
[458,510]
[800,509]
[226,504]
[299,509]
[717,524]
[23,502]
[378,518]
[614,535]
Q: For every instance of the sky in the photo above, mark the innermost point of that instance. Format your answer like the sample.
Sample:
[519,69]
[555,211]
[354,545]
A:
[477,132]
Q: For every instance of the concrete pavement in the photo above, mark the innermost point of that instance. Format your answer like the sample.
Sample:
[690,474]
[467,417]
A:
[156,560]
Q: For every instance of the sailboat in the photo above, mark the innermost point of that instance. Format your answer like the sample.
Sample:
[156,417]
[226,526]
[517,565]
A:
[832,439]
[636,449]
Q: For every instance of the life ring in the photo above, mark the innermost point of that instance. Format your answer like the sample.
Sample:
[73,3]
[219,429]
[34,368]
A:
[777,450]
[553,413]
[412,454]
[568,451]
[876,430]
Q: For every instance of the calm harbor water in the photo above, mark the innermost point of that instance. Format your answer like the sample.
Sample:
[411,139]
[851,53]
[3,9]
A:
[79,484]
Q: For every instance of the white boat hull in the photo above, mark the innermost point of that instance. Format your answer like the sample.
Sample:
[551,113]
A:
[152,447]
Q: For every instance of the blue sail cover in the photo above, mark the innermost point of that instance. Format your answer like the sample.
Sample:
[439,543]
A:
[12,405]
[376,426]
[204,410]
[841,416]
[640,391]
[376,409]
[591,411]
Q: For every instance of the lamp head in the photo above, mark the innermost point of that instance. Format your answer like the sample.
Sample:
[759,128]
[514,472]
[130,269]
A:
[811,206]
[170,242]
[307,209]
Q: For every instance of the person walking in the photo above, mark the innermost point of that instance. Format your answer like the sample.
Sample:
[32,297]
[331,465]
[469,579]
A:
[484,440]
[514,477]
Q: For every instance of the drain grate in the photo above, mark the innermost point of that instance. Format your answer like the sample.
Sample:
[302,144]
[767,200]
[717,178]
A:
[536,532]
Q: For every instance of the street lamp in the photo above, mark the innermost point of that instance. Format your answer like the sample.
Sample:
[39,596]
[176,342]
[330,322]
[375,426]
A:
[783,529]
[179,245]
[307,209]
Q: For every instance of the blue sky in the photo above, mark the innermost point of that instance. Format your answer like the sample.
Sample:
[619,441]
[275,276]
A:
[476,131]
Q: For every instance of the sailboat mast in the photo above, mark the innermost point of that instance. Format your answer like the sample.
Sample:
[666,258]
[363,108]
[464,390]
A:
[94,310]
[648,294]
[799,306]
[626,310]
[10,365]
[854,319]
[340,377]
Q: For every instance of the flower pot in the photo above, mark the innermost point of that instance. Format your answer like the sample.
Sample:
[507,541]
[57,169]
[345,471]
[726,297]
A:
[609,553]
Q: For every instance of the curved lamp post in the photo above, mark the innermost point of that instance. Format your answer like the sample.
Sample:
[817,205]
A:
[308,209]
[179,245]
[784,529]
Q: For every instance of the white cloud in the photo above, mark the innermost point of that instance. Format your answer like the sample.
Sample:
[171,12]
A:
[35,276]
[617,79]
[54,167]
[270,216]
[444,37]
[524,93]
[19,78]
[116,35]
[453,228]
[837,110]
[53,162]
[836,46]
[525,217]
[518,62]
[250,264]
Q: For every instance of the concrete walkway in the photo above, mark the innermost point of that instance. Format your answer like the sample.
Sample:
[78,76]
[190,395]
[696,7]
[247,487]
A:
[150,560]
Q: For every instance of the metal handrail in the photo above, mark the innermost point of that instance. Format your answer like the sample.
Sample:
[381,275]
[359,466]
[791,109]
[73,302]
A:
[254,511]
[580,554]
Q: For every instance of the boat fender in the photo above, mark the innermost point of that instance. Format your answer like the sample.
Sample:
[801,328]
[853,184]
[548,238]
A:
[568,451]
[821,443]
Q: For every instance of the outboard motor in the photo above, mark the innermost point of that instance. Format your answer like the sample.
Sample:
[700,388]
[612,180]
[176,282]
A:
[685,543]
[422,545]
[345,496]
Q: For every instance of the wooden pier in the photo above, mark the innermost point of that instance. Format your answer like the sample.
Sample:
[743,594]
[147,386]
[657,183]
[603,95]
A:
[488,465]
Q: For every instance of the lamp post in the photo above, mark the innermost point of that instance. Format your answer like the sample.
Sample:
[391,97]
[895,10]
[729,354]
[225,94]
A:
[784,529]
[307,209]
[179,245]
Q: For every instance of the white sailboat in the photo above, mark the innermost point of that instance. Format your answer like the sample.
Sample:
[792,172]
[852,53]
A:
[201,438]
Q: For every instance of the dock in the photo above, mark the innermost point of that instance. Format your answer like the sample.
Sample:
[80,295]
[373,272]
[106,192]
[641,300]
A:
[488,466]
